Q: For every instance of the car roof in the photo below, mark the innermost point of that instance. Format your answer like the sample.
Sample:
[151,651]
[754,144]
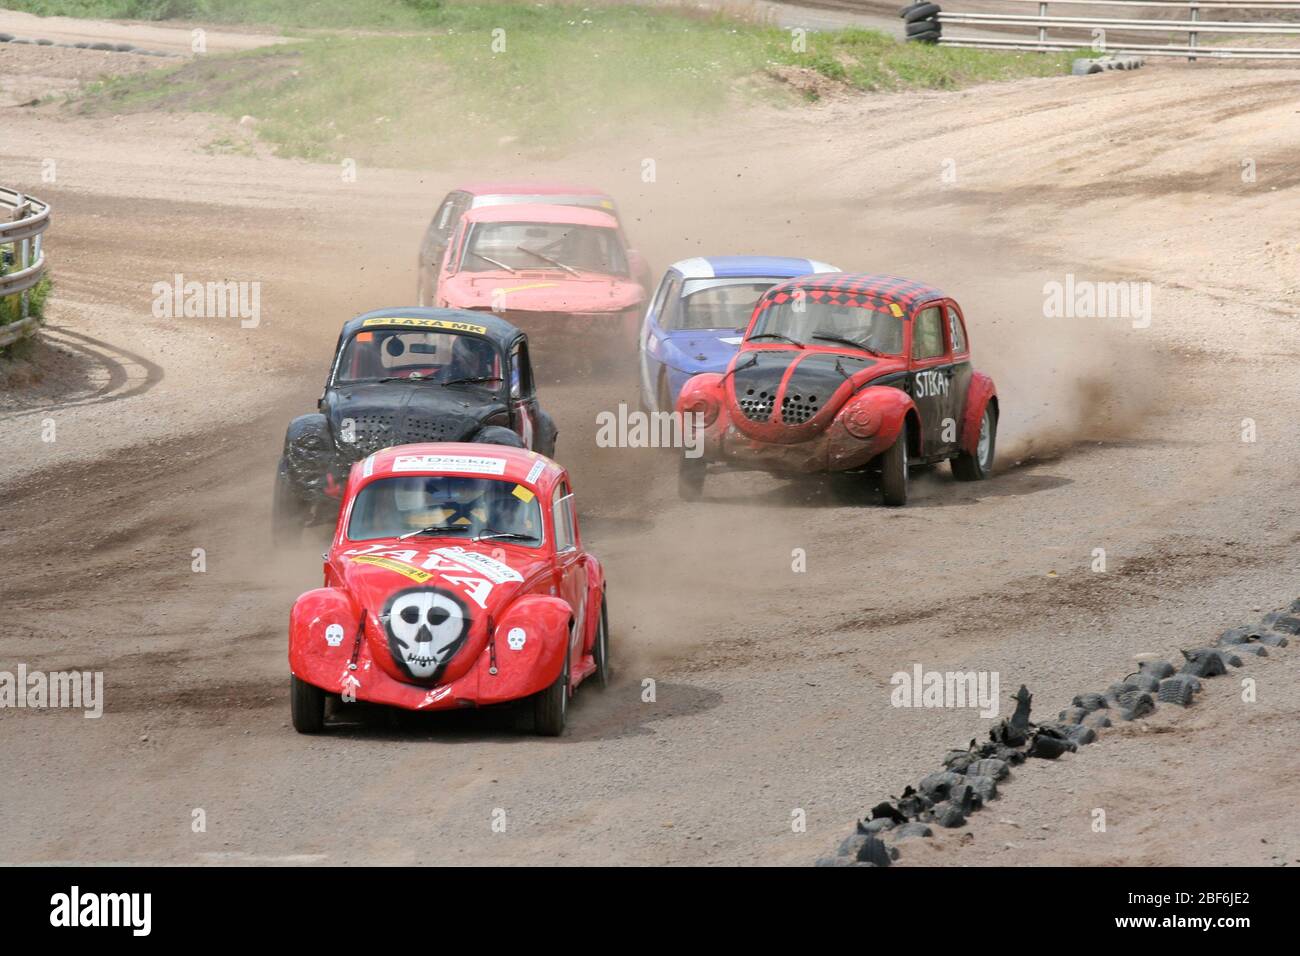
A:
[475,459]
[518,188]
[541,212]
[725,267]
[906,292]
[459,320]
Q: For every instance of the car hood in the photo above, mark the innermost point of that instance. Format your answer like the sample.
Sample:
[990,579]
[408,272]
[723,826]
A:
[396,413]
[464,584]
[790,395]
[541,292]
[699,350]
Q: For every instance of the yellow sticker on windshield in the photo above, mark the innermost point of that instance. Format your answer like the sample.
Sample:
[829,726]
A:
[392,564]
[523,494]
[411,322]
[894,308]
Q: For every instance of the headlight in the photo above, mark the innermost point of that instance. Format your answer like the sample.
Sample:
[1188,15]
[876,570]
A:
[862,421]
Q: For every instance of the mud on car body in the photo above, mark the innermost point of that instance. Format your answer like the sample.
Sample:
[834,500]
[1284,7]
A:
[402,376]
[698,314]
[446,218]
[847,373]
[561,273]
[456,578]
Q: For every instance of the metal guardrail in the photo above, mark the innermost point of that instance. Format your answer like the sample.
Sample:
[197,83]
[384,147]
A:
[23,221]
[1100,28]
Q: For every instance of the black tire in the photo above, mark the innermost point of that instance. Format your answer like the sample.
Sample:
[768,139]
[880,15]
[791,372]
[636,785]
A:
[918,11]
[929,36]
[979,466]
[690,478]
[547,434]
[893,471]
[287,513]
[307,706]
[663,396]
[921,27]
[498,435]
[601,651]
[551,706]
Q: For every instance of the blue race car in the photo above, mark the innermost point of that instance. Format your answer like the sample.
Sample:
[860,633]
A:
[698,314]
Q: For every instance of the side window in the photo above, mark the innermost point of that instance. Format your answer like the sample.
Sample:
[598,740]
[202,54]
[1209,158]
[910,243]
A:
[955,331]
[521,377]
[562,512]
[670,311]
[661,297]
[927,336]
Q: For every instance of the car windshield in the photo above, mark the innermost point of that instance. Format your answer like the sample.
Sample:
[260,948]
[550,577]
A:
[717,303]
[449,505]
[543,245]
[872,327]
[380,354]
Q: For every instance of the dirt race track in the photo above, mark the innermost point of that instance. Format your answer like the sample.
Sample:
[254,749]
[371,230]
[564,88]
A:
[772,687]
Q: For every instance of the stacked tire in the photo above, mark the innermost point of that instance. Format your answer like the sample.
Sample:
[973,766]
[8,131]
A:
[921,22]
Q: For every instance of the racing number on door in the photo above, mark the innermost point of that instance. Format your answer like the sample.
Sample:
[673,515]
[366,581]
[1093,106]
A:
[931,377]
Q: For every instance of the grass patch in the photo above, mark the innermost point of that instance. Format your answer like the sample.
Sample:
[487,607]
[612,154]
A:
[492,75]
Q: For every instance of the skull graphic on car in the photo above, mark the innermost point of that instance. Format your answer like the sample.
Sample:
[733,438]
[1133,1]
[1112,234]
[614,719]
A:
[425,630]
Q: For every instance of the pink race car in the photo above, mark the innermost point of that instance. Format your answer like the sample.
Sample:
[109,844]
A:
[560,273]
[456,578]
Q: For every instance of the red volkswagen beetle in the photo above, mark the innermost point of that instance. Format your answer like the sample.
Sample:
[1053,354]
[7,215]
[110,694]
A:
[847,373]
[456,578]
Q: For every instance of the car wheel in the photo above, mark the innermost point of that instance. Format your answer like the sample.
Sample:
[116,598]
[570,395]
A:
[498,435]
[663,396]
[893,471]
[977,467]
[690,478]
[286,510]
[601,650]
[551,706]
[307,706]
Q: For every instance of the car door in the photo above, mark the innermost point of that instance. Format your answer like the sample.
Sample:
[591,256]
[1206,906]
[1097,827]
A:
[434,248]
[570,568]
[959,346]
[524,410]
[652,335]
[929,377]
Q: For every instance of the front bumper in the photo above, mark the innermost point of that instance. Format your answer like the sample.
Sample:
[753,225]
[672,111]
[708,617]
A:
[832,450]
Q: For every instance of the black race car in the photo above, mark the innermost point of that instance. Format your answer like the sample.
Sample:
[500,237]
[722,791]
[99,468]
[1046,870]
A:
[403,376]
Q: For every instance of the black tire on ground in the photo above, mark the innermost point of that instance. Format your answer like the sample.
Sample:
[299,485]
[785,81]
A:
[663,396]
[979,466]
[920,27]
[918,11]
[690,478]
[929,36]
[547,434]
[551,706]
[601,651]
[307,706]
[893,471]
[287,513]
[498,435]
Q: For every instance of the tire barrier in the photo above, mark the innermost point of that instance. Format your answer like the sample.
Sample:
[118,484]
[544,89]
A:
[101,46]
[971,776]
[1088,66]
[921,22]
